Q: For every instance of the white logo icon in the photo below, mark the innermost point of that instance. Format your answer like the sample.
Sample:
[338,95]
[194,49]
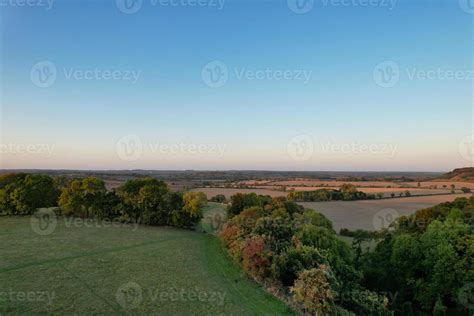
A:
[384,218]
[129,148]
[386,74]
[467,6]
[215,74]
[129,6]
[129,295]
[300,148]
[300,6]
[43,74]
[44,222]
[466,148]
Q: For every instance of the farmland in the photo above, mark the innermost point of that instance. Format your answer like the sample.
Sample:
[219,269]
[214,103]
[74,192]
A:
[362,214]
[125,269]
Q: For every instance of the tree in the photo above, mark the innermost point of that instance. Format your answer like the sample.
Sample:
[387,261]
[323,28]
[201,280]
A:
[35,191]
[219,198]
[313,290]
[241,201]
[83,197]
[465,190]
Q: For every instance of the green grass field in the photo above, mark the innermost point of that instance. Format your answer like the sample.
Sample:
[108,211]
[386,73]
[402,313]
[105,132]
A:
[90,268]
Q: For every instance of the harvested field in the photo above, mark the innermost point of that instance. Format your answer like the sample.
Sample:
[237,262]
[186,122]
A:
[366,214]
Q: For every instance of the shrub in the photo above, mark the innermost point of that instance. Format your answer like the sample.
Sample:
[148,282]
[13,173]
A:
[256,257]
[313,290]
[289,264]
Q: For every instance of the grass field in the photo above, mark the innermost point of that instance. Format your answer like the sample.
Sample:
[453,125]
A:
[93,268]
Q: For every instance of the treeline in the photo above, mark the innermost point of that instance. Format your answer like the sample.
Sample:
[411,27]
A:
[146,201]
[427,259]
[347,192]
[297,255]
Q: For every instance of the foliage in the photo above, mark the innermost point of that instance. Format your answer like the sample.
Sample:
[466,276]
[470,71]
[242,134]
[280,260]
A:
[83,197]
[427,260]
[219,198]
[241,201]
[23,194]
[312,289]
[347,192]
[275,240]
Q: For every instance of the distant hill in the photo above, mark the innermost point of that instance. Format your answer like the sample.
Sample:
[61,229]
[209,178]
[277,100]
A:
[460,174]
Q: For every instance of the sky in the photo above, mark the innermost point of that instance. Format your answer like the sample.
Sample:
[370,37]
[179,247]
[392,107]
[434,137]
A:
[338,85]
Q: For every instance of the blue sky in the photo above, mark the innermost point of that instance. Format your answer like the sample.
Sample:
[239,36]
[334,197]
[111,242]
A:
[340,107]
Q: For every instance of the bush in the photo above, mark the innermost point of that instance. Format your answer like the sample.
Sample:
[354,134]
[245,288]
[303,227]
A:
[313,290]
[23,194]
[256,257]
[288,265]
[220,198]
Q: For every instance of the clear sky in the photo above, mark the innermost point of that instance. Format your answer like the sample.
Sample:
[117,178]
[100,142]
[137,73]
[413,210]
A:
[235,84]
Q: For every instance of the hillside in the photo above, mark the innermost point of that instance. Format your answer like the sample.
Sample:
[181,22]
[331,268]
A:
[460,174]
